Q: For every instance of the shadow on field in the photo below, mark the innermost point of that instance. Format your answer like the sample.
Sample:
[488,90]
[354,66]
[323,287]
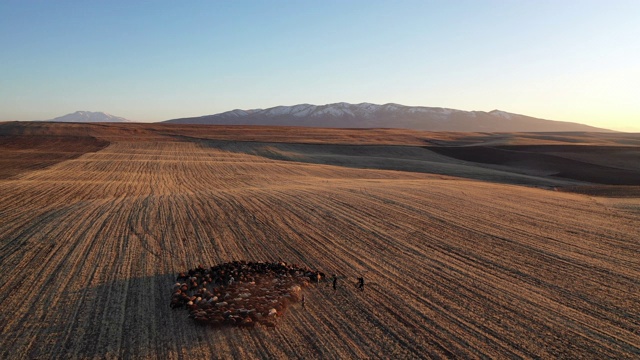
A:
[561,166]
[606,165]
[123,319]
[24,153]
[399,158]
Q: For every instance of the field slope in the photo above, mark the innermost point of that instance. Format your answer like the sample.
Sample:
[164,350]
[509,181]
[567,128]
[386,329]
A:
[455,267]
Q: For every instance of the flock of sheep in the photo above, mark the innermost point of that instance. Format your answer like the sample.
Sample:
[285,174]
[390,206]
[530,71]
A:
[241,293]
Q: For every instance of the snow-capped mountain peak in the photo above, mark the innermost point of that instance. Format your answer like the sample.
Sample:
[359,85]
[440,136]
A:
[502,114]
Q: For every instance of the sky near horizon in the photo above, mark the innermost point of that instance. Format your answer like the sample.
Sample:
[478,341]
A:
[568,60]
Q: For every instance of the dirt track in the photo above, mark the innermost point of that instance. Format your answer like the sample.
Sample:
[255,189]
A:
[89,249]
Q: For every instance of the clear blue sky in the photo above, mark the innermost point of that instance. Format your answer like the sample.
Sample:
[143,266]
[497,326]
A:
[571,60]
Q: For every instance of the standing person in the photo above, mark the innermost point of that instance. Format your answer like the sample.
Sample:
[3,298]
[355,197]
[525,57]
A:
[335,282]
[361,283]
[302,301]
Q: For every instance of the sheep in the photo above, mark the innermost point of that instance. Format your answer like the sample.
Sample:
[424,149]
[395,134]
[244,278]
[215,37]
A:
[252,290]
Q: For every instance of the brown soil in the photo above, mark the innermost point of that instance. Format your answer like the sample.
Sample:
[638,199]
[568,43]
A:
[454,268]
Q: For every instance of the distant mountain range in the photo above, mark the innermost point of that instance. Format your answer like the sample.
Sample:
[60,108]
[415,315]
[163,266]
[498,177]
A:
[366,115]
[89,117]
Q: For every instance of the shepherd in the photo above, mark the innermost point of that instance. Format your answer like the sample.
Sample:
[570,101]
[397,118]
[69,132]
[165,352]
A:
[361,283]
[335,282]
[302,301]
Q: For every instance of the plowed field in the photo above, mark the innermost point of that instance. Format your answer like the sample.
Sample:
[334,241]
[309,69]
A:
[454,268]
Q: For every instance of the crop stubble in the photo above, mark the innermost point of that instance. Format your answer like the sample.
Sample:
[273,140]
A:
[90,247]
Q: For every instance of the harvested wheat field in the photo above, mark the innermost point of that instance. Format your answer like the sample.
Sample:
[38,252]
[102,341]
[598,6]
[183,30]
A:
[458,260]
